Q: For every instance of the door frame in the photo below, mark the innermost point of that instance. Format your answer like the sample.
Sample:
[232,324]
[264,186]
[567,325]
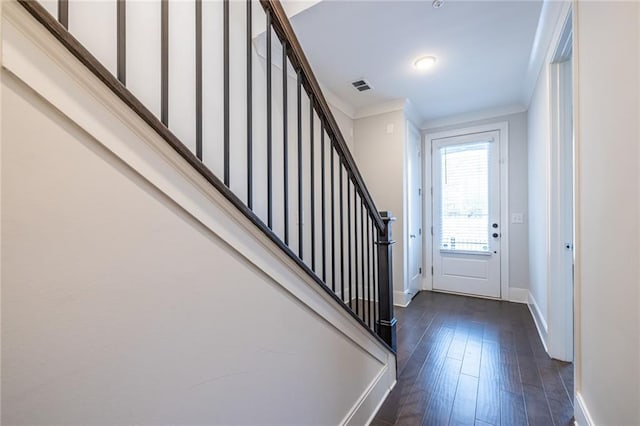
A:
[409,126]
[427,217]
[560,294]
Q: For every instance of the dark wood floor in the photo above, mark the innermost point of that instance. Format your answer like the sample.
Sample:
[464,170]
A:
[468,361]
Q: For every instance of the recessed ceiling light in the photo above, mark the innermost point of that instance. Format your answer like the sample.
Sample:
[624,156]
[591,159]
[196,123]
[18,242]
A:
[425,62]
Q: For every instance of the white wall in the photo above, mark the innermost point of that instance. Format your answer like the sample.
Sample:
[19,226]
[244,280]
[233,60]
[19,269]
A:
[539,140]
[346,125]
[517,181]
[379,153]
[607,78]
[132,291]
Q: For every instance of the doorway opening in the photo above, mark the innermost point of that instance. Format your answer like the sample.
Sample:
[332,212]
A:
[467,209]
[561,203]
[466,214]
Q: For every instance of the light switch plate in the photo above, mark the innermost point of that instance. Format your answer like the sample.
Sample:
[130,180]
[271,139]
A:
[517,218]
[390,128]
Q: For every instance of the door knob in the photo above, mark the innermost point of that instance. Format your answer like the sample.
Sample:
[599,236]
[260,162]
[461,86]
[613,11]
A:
[412,235]
[495,225]
[495,235]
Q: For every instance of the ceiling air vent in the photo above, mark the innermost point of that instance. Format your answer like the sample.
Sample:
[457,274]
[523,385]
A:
[362,85]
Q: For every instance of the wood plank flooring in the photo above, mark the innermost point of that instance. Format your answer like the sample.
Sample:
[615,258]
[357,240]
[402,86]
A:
[469,361]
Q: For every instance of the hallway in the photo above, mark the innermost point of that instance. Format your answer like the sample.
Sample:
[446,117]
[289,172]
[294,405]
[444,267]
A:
[467,361]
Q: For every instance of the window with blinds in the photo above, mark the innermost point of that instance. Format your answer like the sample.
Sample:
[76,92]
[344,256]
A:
[465,197]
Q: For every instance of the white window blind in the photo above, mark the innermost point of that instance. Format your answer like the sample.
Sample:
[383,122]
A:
[465,197]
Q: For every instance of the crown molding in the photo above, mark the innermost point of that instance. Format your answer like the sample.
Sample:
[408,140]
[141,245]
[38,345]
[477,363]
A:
[550,16]
[472,116]
[380,108]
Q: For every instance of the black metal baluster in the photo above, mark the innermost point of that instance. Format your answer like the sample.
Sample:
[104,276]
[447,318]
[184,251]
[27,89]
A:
[369,243]
[333,221]
[312,191]
[362,258]
[349,242]
[199,79]
[164,62]
[300,203]
[269,130]
[225,54]
[249,107]
[323,204]
[355,247]
[285,140]
[341,233]
[121,11]
[63,13]
[376,304]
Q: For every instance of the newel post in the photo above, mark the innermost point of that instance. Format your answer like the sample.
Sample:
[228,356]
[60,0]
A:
[386,326]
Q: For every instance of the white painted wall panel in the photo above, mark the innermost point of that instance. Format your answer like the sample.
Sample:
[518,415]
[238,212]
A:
[238,97]
[212,87]
[379,156]
[93,23]
[539,140]
[608,304]
[143,58]
[182,72]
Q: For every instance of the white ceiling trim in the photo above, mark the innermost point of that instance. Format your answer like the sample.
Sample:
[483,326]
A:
[381,108]
[405,105]
[472,116]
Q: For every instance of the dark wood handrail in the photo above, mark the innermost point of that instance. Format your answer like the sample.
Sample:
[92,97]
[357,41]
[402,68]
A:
[283,29]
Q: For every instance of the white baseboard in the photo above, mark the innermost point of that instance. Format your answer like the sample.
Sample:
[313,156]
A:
[538,319]
[401,298]
[581,413]
[367,406]
[384,398]
[518,295]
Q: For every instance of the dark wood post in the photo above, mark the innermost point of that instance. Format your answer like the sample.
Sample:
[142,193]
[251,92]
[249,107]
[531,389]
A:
[386,326]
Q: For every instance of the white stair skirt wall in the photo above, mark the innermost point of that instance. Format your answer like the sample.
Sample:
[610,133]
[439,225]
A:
[147,298]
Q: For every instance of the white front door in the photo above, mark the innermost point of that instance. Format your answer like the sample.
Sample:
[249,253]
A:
[466,214]
[414,219]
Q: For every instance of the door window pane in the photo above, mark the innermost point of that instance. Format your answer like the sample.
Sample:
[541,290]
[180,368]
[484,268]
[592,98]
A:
[465,197]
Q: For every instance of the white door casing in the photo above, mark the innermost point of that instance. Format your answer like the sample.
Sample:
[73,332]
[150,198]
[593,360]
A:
[466,214]
[429,136]
[561,201]
[414,216]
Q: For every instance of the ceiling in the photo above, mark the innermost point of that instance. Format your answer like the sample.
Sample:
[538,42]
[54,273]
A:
[483,50]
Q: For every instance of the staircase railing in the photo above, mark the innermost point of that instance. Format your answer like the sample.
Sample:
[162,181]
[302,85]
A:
[341,240]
